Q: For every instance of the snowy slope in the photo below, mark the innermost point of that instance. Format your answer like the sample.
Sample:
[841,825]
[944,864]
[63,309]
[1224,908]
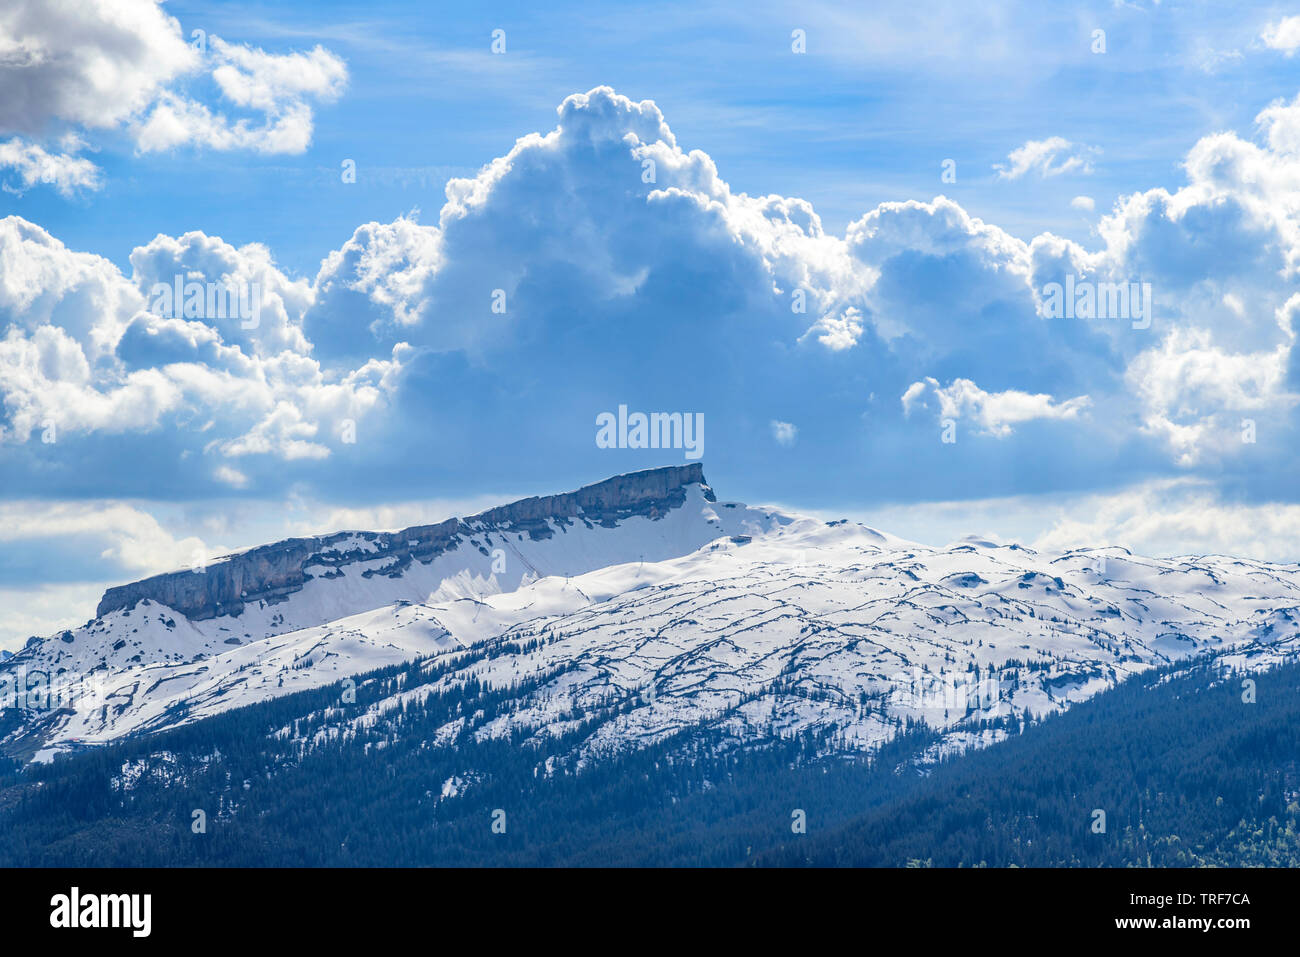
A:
[745,620]
[805,626]
[844,629]
[148,665]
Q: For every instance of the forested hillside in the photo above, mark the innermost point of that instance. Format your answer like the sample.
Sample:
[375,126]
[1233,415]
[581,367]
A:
[1186,772]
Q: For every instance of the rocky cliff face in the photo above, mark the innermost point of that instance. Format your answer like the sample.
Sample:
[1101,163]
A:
[270,572]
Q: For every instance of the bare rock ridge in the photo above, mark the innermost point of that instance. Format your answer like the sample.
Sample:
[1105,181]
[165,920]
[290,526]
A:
[271,572]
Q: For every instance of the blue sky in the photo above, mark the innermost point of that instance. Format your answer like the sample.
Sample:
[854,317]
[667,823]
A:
[380,387]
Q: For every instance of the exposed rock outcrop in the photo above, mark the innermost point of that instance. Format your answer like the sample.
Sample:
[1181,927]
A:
[270,572]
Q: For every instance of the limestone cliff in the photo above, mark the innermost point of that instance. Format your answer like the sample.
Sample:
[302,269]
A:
[270,572]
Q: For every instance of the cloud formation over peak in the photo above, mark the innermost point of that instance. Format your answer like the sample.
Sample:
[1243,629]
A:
[608,202]
[603,263]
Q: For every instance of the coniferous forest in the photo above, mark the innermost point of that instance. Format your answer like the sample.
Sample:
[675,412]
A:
[1185,771]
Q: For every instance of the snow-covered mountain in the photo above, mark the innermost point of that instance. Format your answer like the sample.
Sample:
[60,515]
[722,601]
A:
[304,612]
[644,607]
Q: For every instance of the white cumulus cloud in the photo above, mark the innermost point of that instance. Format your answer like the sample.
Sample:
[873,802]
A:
[31,164]
[1284,35]
[89,65]
[994,412]
[1050,157]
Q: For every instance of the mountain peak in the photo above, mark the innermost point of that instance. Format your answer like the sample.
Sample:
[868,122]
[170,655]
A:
[272,572]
